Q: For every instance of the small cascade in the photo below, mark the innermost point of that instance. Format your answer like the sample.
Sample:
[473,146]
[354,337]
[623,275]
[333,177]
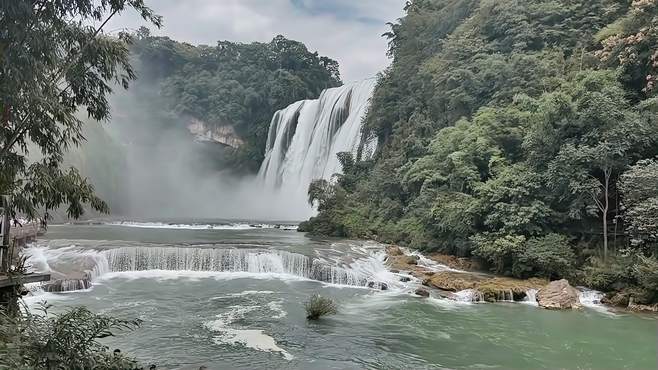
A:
[590,298]
[257,261]
[304,139]
[66,285]
[531,296]
[469,295]
[506,296]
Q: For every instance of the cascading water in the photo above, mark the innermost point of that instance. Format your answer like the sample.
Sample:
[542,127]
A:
[256,261]
[305,138]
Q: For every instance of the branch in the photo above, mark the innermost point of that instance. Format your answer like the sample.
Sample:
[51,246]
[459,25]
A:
[23,126]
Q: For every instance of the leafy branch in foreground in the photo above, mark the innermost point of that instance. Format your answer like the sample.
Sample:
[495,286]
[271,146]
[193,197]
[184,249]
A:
[55,61]
[62,341]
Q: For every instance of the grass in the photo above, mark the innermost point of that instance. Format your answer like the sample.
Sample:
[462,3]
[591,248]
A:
[318,306]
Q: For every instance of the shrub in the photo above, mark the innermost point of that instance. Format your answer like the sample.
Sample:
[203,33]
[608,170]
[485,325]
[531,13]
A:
[549,256]
[499,250]
[646,273]
[318,306]
[614,274]
[64,341]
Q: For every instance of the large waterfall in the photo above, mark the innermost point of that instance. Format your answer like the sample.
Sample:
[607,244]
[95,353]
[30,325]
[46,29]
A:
[305,137]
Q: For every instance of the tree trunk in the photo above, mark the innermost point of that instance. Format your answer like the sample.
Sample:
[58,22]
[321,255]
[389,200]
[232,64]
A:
[606,206]
[6,229]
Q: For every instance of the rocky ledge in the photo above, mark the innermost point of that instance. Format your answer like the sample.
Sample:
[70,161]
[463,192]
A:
[482,287]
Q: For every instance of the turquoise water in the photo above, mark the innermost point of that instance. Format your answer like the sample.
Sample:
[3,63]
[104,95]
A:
[242,320]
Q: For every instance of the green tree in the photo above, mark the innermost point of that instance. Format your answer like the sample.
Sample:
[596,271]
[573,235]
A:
[639,189]
[55,60]
[65,341]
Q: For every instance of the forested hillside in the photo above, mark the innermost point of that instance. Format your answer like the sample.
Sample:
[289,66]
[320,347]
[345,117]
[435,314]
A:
[231,88]
[522,133]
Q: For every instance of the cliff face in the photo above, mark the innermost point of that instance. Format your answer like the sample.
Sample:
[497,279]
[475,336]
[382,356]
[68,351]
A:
[224,135]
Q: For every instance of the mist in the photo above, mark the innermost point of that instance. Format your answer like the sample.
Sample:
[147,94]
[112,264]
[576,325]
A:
[162,171]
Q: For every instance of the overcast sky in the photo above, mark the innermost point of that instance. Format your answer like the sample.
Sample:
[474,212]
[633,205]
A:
[346,30]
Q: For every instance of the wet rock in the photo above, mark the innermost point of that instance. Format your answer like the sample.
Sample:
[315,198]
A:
[459,263]
[395,271]
[620,299]
[402,263]
[394,250]
[422,292]
[558,295]
[377,285]
[454,281]
[632,306]
[66,285]
[405,279]
[490,288]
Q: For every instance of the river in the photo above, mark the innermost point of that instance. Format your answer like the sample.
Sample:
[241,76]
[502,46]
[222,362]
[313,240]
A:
[230,296]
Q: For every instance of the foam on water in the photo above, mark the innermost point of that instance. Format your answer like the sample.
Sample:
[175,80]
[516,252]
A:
[250,338]
[173,226]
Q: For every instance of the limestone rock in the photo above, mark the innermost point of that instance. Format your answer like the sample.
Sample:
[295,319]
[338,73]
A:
[422,292]
[558,295]
[632,306]
[394,250]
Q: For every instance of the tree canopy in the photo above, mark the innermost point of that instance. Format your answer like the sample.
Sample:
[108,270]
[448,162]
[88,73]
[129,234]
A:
[517,132]
[232,84]
[56,60]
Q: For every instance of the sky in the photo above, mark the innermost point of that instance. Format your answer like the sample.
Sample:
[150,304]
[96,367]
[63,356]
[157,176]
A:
[348,31]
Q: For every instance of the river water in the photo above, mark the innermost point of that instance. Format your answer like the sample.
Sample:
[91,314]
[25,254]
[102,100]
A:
[230,296]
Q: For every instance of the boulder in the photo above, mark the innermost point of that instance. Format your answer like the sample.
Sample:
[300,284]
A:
[377,285]
[402,263]
[558,295]
[405,279]
[394,250]
[422,292]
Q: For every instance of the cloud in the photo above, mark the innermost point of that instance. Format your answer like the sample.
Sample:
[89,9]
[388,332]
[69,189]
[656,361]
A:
[346,30]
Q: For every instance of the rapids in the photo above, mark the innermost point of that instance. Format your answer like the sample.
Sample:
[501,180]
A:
[233,298]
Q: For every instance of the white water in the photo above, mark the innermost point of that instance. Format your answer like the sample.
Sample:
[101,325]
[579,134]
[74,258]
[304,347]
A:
[250,338]
[77,266]
[173,226]
[305,137]
[531,297]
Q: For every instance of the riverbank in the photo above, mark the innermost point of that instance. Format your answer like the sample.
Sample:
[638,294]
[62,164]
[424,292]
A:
[462,279]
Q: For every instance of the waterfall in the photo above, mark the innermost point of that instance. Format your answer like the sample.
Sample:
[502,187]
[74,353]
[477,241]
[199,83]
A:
[257,261]
[531,296]
[305,137]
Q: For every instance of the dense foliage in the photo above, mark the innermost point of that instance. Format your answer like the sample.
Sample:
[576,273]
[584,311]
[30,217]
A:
[55,60]
[517,132]
[64,341]
[232,84]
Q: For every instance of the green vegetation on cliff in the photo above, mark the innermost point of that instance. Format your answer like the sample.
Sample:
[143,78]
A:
[518,132]
[231,84]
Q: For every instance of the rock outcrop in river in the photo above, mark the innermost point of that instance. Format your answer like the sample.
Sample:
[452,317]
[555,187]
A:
[558,295]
